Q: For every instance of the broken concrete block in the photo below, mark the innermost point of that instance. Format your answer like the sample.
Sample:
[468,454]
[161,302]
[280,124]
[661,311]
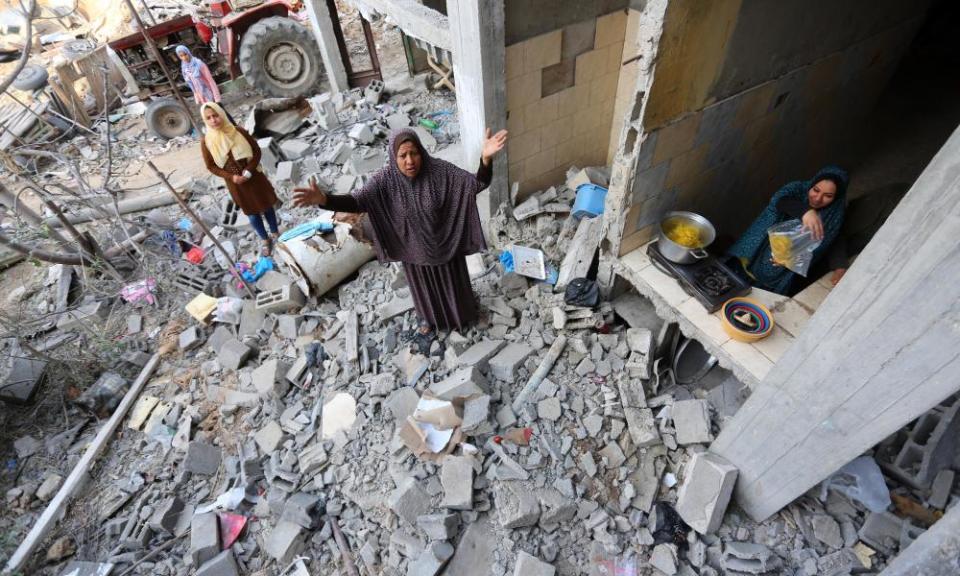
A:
[288,326]
[941,488]
[456,477]
[882,530]
[839,563]
[827,531]
[190,338]
[402,403]
[395,307]
[294,148]
[642,426]
[300,509]
[398,121]
[613,454]
[517,505]
[431,560]
[289,171]
[461,384]
[364,161]
[344,184]
[409,501]
[549,409]
[373,91]
[505,364]
[297,371]
[49,487]
[324,111]
[204,537]
[269,437]
[134,324]
[749,558]
[705,491]
[479,354]
[362,133]
[223,564]
[269,154]
[166,516]
[439,526]
[268,379]
[664,558]
[233,354]
[86,315]
[475,413]
[528,565]
[691,418]
[23,380]
[282,299]
[284,542]
[202,458]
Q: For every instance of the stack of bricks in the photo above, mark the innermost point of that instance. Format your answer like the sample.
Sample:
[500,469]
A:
[561,90]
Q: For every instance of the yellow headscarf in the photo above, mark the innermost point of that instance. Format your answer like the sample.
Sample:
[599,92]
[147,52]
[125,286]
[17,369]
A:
[221,141]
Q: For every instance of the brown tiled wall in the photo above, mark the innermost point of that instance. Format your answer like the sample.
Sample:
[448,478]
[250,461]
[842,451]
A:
[557,118]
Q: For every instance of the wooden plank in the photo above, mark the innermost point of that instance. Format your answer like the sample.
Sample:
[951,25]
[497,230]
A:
[883,348]
[581,251]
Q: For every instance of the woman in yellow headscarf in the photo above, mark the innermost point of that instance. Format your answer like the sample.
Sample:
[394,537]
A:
[231,153]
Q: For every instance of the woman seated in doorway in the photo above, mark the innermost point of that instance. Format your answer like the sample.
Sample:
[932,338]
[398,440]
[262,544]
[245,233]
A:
[819,204]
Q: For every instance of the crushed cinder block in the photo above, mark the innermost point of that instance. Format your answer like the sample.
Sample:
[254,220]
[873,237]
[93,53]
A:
[190,339]
[439,526]
[284,542]
[223,564]
[294,148]
[233,354]
[166,515]
[461,384]
[456,477]
[691,418]
[282,299]
[269,437]
[409,501]
[705,491]
[324,111]
[517,505]
[301,509]
[288,326]
[941,488]
[479,354]
[373,91]
[528,565]
[882,530]
[398,121]
[202,458]
[204,538]
[362,133]
[506,363]
[288,170]
[269,154]
[431,560]
[749,558]
[364,161]
[642,426]
[268,379]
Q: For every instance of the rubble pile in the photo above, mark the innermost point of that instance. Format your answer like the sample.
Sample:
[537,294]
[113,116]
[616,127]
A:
[299,432]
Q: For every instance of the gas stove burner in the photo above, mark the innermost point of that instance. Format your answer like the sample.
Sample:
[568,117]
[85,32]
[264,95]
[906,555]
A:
[709,281]
[714,281]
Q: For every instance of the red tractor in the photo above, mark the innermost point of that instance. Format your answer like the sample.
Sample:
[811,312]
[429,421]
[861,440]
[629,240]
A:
[277,54]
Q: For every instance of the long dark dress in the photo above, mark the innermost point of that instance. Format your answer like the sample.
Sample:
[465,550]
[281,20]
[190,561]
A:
[441,293]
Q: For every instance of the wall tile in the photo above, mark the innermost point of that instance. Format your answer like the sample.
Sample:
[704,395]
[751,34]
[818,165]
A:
[754,103]
[515,123]
[556,132]
[567,151]
[514,60]
[649,183]
[524,146]
[631,48]
[515,171]
[558,77]
[578,38]
[542,51]
[604,89]
[541,162]
[611,28]
[676,138]
[567,102]
[541,112]
[590,65]
[614,57]
[523,90]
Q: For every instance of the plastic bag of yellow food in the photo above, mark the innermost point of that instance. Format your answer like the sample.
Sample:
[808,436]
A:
[792,246]
[684,234]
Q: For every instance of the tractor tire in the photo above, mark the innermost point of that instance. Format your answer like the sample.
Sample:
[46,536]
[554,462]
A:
[280,57]
[32,77]
[167,119]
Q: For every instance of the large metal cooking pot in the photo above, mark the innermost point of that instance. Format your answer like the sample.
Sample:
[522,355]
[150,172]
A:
[685,254]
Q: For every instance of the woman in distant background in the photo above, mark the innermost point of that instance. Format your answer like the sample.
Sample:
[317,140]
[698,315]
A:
[197,76]
[232,154]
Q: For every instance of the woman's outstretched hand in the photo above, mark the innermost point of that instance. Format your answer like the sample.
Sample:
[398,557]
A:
[310,196]
[492,145]
[811,221]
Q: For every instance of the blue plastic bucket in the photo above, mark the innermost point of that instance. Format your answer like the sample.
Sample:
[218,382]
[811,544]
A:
[589,202]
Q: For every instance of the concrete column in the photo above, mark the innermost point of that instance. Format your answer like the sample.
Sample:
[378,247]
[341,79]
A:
[882,349]
[935,553]
[322,23]
[477,42]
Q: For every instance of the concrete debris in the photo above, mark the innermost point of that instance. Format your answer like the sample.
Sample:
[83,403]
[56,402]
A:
[528,565]
[691,418]
[516,504]
[664,558]
[456,477]
[362,134]
[705,491]
[749,558]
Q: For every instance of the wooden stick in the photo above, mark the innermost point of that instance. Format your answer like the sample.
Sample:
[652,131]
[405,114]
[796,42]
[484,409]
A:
[342,545]
[199,222]
[59,503]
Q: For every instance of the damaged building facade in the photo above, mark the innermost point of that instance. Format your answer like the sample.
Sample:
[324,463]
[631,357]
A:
[710,107]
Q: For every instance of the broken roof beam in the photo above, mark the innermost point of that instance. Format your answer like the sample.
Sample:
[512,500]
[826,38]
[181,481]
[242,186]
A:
[413,18]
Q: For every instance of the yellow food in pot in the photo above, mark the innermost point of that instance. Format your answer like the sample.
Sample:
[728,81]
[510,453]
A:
[684,234]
